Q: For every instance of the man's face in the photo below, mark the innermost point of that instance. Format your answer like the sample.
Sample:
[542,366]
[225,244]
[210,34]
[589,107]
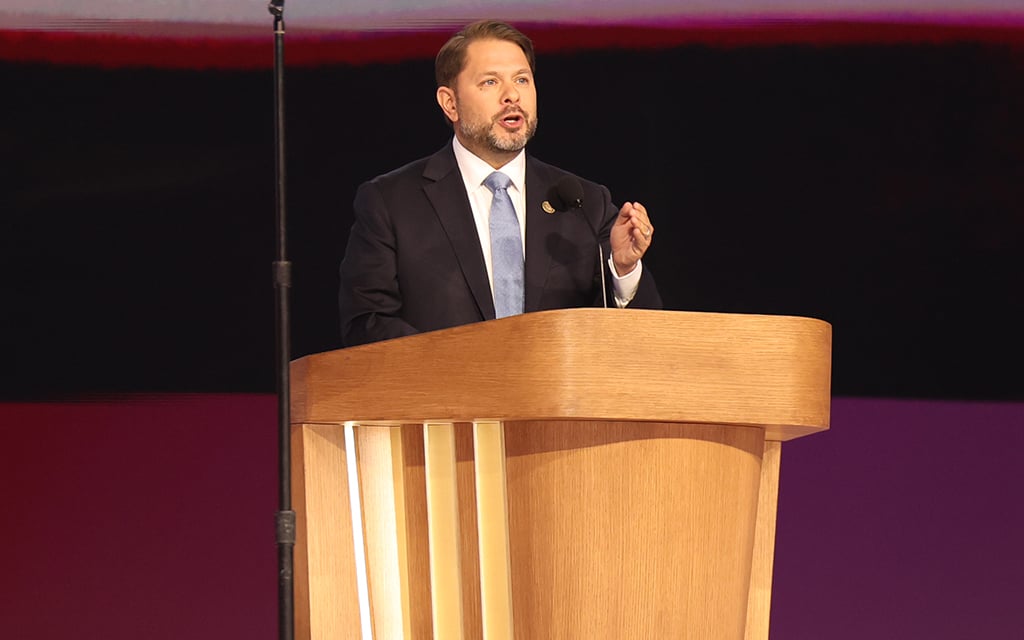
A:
[493,105]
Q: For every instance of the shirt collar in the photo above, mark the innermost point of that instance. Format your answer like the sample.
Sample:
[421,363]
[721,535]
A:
[475,171]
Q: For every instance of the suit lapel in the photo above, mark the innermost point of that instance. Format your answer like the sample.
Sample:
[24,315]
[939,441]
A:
[541,228]
[447,194]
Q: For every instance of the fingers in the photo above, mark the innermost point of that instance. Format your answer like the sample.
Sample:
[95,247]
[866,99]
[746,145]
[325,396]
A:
[635,215]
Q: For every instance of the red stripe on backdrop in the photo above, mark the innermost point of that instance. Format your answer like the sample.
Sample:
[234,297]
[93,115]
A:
[201,50]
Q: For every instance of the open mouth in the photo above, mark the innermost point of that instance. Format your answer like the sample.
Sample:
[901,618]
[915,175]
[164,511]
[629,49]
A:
[511,120]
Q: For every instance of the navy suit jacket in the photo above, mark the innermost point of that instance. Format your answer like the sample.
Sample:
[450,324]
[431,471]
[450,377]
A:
[414,261]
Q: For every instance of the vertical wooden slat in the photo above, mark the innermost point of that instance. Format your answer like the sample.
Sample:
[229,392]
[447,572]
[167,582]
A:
[382,485]
[365,625]
[417,536]
[760,598]
[326,601]
[443,528]
[492,529]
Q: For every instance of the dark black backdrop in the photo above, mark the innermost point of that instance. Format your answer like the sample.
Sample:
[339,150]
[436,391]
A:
[880,188]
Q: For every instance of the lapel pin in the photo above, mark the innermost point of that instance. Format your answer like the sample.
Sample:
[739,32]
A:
[546,206]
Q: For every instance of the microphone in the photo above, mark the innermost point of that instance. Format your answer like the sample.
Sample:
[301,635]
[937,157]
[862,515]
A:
[568,194]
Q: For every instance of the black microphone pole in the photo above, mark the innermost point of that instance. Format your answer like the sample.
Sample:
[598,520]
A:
[285,517]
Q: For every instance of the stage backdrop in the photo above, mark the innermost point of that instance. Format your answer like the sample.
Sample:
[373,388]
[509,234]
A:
[153,517]
[863,164]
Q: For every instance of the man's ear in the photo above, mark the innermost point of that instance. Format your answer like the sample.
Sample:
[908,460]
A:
[446,100]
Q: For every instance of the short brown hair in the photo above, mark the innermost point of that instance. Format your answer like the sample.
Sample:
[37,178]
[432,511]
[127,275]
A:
[451,59]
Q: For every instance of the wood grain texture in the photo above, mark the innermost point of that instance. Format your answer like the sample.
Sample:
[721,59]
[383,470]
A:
[414,474]
[326,598]
[443,511]
[417,531]
[634,510]
[382,487]
[762,566]
[767,371]
[492,531]
[627,530]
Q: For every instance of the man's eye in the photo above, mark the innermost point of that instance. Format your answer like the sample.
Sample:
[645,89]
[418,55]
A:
[523,80]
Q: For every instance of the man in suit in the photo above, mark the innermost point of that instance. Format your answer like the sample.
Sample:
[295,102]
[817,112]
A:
[420,254]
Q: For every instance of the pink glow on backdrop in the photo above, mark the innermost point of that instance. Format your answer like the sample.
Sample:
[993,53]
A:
[153,517]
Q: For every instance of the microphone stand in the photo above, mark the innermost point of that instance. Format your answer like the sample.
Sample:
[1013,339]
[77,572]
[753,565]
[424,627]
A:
[285,517]
[568,194]
[601,266]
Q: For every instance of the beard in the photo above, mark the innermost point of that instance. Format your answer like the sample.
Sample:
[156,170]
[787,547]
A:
[489,136]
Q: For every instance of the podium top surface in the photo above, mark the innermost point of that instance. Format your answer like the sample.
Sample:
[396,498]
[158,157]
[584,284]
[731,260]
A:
[772,372]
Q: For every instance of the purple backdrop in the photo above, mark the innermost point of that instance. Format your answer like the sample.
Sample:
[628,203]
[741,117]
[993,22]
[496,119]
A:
[153,517]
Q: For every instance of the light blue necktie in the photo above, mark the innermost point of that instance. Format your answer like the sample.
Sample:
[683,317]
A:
[506,248]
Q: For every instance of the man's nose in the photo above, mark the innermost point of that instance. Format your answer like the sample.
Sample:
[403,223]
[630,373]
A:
[511,93]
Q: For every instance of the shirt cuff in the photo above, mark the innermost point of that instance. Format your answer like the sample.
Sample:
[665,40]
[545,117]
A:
[624,287]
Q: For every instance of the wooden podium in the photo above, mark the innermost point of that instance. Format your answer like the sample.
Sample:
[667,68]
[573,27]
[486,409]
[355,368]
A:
[582,474]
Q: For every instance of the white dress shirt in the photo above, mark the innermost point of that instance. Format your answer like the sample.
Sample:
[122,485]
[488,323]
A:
[475,171]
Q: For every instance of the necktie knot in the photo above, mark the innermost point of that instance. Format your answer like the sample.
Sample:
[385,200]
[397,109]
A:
[497,181]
